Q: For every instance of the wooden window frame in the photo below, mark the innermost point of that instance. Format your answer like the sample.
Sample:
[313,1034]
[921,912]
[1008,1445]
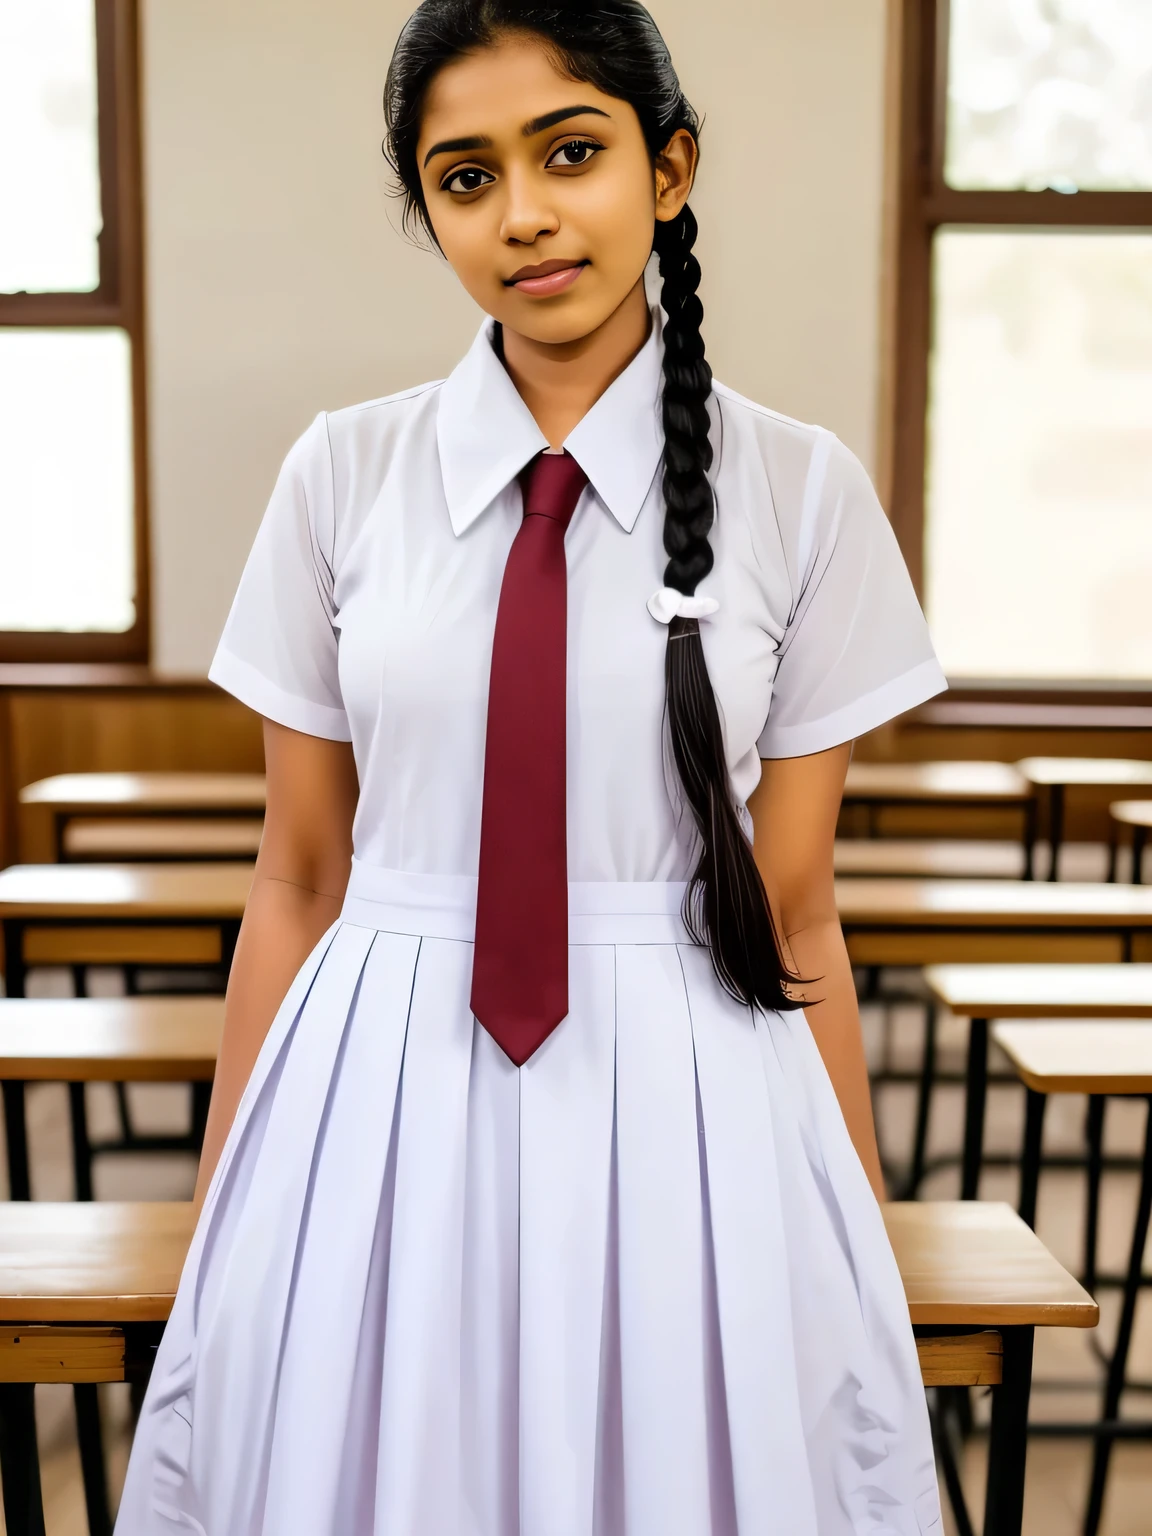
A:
[920,202]
[118,301]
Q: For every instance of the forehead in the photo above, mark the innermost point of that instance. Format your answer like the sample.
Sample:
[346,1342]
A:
[496,90]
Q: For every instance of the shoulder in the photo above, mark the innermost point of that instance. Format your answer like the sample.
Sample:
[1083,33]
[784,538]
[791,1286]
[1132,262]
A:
[372,422]
[806,466]
[345,456]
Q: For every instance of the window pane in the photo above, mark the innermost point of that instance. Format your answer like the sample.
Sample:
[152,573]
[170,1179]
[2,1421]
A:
[66,484]
[1050,93]
[1039,495]
[49,162]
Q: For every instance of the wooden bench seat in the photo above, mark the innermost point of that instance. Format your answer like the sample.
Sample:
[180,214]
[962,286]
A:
[960,783]
[115,838]
[94,1283]
[947,859]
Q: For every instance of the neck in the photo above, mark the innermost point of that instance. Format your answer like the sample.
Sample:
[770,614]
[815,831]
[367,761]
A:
[561,382]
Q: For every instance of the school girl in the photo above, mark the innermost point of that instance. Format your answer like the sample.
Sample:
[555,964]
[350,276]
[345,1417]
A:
[534,1203]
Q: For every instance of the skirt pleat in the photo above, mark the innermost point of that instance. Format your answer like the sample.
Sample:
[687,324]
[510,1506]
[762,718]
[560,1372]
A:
[638,1287]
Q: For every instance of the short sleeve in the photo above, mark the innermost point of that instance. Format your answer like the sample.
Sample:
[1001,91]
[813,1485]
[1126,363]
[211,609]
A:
[856,651]
[278,652]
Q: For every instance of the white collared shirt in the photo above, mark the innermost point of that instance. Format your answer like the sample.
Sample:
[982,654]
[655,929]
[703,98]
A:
[367,607]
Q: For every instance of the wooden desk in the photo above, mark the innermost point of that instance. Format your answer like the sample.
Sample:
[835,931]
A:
[978,1284]
[113,914]
[98,1280]
[1136,814]
[109,914]
[981,993]
[84,1040]
[1043,991]
[1097,1058]
[110,1039]
[1056,774]
[140,796]
[951,784]
[84,1294]
[928,922]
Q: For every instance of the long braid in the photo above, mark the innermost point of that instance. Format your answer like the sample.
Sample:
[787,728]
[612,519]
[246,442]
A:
[726,906]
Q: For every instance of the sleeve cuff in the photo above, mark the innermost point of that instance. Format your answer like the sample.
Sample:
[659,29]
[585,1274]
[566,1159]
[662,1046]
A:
[856,719]
[243,682]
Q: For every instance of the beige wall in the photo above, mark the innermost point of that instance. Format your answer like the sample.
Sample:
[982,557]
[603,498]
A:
[278,285]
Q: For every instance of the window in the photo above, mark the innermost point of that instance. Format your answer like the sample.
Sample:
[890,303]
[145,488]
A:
[73,547]
[1022,407]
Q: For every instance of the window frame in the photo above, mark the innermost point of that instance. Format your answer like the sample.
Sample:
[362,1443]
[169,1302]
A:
[118,301]
[921,202]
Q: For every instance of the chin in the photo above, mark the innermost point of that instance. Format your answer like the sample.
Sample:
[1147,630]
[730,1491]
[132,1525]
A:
[555,322]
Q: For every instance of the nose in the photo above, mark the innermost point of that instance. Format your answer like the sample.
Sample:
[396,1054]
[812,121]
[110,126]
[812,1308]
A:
[527,212]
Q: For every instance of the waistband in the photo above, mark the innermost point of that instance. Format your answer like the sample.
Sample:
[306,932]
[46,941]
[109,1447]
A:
[444,907]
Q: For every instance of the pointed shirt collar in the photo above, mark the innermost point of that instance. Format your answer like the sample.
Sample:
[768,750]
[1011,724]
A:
[486,434]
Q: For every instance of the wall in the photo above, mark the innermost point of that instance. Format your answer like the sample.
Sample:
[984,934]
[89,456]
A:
[277,285]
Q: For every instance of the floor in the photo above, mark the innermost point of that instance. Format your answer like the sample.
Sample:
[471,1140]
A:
[1066,1372]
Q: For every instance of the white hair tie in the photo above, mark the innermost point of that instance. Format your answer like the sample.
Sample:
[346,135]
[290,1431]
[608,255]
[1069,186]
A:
[668,604]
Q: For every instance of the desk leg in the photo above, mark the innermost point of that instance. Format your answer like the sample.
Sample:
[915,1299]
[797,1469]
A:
[1118,1365]
[1008,1437]
[1055,827]
[229,933]
[923,1106]
[81,1147]
[20,1460]
[1030,837]
[1030,1159]
[16,1139]
[14,970]
[91,1441]
[977,1089]
[1094,1135]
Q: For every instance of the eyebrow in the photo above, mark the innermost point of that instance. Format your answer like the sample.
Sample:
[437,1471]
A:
[536,125]
[453,146]
[550,119]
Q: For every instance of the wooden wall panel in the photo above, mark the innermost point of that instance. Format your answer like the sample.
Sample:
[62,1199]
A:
[144,727]
[103,720]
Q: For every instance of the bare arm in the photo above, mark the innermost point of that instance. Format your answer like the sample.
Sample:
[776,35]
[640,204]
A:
[301,874]
[794,810]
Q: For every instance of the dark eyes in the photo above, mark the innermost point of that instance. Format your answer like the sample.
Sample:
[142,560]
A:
[470,179]
[575,152]
[569,156]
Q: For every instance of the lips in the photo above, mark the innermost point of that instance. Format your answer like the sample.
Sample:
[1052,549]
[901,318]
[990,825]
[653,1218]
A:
[547,278]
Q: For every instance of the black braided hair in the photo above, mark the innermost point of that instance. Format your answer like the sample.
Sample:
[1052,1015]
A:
[616,46]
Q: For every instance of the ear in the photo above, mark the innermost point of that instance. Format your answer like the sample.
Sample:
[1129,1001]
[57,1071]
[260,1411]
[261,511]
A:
[675,172]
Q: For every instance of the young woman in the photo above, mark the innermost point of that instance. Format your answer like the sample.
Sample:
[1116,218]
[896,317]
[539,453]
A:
[536,1205]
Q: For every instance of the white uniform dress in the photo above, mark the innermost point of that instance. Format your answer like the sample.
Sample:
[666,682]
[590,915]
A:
[639,1286]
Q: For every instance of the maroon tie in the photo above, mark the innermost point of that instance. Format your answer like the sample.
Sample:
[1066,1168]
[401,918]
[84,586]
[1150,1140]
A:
[520,965]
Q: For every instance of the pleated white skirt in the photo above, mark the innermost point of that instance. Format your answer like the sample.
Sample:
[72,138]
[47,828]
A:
[638,1287]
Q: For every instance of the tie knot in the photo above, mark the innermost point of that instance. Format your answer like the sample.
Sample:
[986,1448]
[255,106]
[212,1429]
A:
[551,485]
